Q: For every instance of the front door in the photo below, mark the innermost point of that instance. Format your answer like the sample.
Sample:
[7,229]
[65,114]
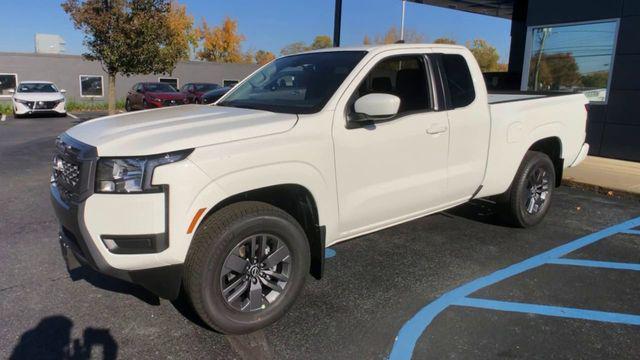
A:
[389,171]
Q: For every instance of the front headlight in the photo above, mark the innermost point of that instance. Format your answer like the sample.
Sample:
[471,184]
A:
[132,175]
[24,102]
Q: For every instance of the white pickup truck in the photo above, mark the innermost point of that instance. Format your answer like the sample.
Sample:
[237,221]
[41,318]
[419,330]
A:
[235,203]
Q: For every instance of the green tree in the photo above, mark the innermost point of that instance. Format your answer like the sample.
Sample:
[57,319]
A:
[294,48]
[263,57]
[126,36]
[321,42]
[486,55]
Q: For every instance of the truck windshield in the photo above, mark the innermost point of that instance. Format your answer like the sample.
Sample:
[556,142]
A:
[298,84]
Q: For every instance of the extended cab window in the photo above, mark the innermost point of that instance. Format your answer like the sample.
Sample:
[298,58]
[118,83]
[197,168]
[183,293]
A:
[459,83]
[402,76]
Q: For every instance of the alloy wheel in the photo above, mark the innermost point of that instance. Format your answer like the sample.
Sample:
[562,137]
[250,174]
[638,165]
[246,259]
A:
[255,273]
[536,190]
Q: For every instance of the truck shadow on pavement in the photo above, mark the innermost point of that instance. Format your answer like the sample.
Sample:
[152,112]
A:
[51,339]
[482,211]
[112,284]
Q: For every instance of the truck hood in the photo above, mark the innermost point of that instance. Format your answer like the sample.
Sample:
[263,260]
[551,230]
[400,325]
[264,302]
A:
[177,128]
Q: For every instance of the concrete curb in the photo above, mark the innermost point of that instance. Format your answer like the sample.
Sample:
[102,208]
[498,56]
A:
[600,189]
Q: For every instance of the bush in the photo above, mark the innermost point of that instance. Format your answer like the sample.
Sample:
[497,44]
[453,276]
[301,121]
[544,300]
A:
[5,108]
[73,105]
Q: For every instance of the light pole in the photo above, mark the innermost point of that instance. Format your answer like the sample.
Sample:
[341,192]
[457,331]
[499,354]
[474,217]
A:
[404,6]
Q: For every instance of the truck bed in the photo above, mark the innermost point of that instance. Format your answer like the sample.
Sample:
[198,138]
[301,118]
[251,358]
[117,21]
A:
[497,97]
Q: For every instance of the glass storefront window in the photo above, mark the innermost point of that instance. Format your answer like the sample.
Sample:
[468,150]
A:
[572,58]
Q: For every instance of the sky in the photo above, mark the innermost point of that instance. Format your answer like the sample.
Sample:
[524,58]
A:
[272,24]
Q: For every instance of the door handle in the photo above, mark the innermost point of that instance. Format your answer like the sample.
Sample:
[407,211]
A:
[437,129]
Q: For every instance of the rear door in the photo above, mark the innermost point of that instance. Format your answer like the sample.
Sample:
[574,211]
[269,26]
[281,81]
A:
[469,122]
[396,169]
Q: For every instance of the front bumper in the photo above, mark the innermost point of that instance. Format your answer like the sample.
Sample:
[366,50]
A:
[22,109]
[79,248]
[120,235]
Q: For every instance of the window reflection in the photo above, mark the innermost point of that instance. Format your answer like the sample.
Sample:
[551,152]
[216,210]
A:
[573,58]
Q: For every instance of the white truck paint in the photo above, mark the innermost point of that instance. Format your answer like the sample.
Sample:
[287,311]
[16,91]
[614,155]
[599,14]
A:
[361,178]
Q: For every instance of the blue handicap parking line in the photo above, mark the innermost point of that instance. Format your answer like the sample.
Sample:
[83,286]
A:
[597,264]
[411,331]
[632,232]
[329,253]
[557,311]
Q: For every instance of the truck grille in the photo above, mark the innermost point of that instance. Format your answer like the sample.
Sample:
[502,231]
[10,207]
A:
[66,171]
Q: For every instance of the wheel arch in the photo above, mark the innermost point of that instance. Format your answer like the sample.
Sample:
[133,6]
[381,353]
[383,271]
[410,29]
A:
[552,147]
[296,200]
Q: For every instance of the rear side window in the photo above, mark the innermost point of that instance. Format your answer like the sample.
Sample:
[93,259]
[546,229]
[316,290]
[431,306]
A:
[459,83]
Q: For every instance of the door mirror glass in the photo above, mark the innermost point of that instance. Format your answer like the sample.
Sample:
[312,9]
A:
[11,91]
[63,91]
[376,106]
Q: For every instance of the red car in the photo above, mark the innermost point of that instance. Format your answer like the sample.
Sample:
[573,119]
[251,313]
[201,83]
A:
[153,95]
[194,91]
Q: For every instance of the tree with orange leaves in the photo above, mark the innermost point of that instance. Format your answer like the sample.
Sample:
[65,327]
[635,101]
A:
[221,43]
[183,35]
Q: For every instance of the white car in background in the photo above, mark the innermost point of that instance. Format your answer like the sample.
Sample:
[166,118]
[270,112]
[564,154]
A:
[38,97]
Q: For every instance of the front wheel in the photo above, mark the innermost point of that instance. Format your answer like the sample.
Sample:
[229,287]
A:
[127,105]
[530,194]
[246,266]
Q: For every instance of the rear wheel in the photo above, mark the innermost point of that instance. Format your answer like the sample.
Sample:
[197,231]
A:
[127,105]
[246,266]
[530,194]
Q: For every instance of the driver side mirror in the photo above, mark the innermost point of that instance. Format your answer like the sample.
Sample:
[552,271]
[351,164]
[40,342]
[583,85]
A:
[139,91]
[11,91]
[63,91]
[376,107]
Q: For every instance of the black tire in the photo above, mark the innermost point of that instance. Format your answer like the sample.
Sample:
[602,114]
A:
[524,205]
[16,116]
[145,104]
[217,238]
[127,105]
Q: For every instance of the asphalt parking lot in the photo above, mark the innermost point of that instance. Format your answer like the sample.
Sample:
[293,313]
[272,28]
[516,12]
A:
[457,285]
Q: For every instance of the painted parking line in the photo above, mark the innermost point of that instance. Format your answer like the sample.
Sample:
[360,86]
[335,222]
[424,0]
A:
[597,264]
[3,117]
[557,311]
[411,331]
[72,116]
[329,253]
[632,232]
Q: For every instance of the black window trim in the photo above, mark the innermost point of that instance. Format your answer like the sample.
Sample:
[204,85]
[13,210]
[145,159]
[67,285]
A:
[448,105]
[434,101]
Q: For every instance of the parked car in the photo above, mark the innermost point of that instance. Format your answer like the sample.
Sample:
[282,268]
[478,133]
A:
[38,97]
[195,91]
[235,203]
[214,95]
[148,95]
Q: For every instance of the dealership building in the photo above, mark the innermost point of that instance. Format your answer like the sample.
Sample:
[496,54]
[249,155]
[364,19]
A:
[592,46]
[87,81]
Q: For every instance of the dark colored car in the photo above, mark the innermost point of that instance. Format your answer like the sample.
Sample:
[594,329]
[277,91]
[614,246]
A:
[194,91]
[153,95]
[213,95]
